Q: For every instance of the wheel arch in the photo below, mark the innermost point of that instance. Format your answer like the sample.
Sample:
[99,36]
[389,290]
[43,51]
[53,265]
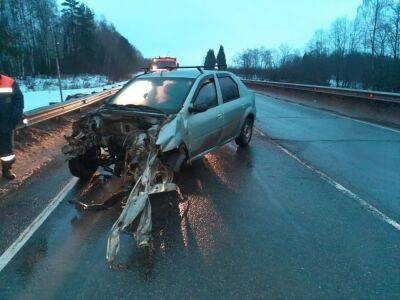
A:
[250,116]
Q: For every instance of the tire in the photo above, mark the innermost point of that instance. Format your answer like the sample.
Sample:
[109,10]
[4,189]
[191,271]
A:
[82,168]
[246,133]
[176,160]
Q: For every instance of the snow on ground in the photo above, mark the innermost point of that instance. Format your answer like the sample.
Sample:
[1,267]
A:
[45,83]
[43,98]
[40,91]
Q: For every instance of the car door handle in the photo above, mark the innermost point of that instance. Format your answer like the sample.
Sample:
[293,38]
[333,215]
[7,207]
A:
[219,116]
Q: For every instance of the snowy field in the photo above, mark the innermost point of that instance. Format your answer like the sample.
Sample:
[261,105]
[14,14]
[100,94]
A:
[45,83]
[43,98]
[40,91]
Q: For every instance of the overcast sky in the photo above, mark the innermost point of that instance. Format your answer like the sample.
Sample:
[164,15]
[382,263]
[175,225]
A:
[188,28]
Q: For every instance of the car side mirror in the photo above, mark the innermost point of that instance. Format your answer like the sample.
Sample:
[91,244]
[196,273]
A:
[197,108]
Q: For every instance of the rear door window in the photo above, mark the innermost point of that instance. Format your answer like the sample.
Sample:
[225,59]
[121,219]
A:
[229,89]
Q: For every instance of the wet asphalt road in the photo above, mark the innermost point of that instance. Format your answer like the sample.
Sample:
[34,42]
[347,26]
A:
[250,223]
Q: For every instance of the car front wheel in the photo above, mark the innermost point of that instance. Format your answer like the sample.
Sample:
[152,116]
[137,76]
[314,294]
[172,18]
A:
[246,133]
[82,168]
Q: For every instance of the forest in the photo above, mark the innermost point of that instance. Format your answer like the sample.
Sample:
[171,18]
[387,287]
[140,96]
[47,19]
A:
[35,34]
[360,53]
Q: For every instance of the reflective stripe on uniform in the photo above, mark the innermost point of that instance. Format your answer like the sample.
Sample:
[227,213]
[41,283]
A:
[6,90]
[8,158]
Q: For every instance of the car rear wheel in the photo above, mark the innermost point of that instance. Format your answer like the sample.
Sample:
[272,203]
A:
[246,133]
[82,168]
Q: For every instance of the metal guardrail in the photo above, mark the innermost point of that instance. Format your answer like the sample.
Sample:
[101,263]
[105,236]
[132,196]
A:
[343,92]
[52,111]
[45,113]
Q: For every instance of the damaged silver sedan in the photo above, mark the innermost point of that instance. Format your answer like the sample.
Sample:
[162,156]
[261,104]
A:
[153,125]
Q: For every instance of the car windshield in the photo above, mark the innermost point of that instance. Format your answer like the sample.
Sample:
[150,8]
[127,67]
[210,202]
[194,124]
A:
[165,94]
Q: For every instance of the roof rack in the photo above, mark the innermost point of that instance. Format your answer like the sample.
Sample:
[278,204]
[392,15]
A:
[199,68]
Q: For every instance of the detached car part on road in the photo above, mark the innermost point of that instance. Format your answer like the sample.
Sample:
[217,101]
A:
[154,124]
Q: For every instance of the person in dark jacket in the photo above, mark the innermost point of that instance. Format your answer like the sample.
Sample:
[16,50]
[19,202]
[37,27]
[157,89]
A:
[11,109]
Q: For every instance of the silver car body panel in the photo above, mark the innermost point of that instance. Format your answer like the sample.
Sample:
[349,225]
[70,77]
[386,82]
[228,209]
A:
[204,132]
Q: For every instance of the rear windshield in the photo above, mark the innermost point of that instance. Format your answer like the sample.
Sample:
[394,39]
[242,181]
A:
[165,94]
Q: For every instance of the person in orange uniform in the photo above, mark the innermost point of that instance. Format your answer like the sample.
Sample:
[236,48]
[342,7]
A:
[11,112]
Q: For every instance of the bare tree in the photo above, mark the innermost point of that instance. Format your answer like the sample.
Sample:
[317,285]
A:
[383,36]
[285,51]
[394,28]
[265,58]
[339,41]
[371,15]
[319,42]
[354,36]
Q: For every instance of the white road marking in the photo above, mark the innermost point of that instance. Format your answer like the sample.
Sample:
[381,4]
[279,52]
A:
[376,212]
[260,132]
[335,114]
[366,122]
[31,229]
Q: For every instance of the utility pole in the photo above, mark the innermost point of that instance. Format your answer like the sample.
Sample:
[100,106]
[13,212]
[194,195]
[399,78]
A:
[58,69]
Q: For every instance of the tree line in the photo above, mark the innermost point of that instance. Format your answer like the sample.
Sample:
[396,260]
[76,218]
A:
[359,53]
[35,33]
